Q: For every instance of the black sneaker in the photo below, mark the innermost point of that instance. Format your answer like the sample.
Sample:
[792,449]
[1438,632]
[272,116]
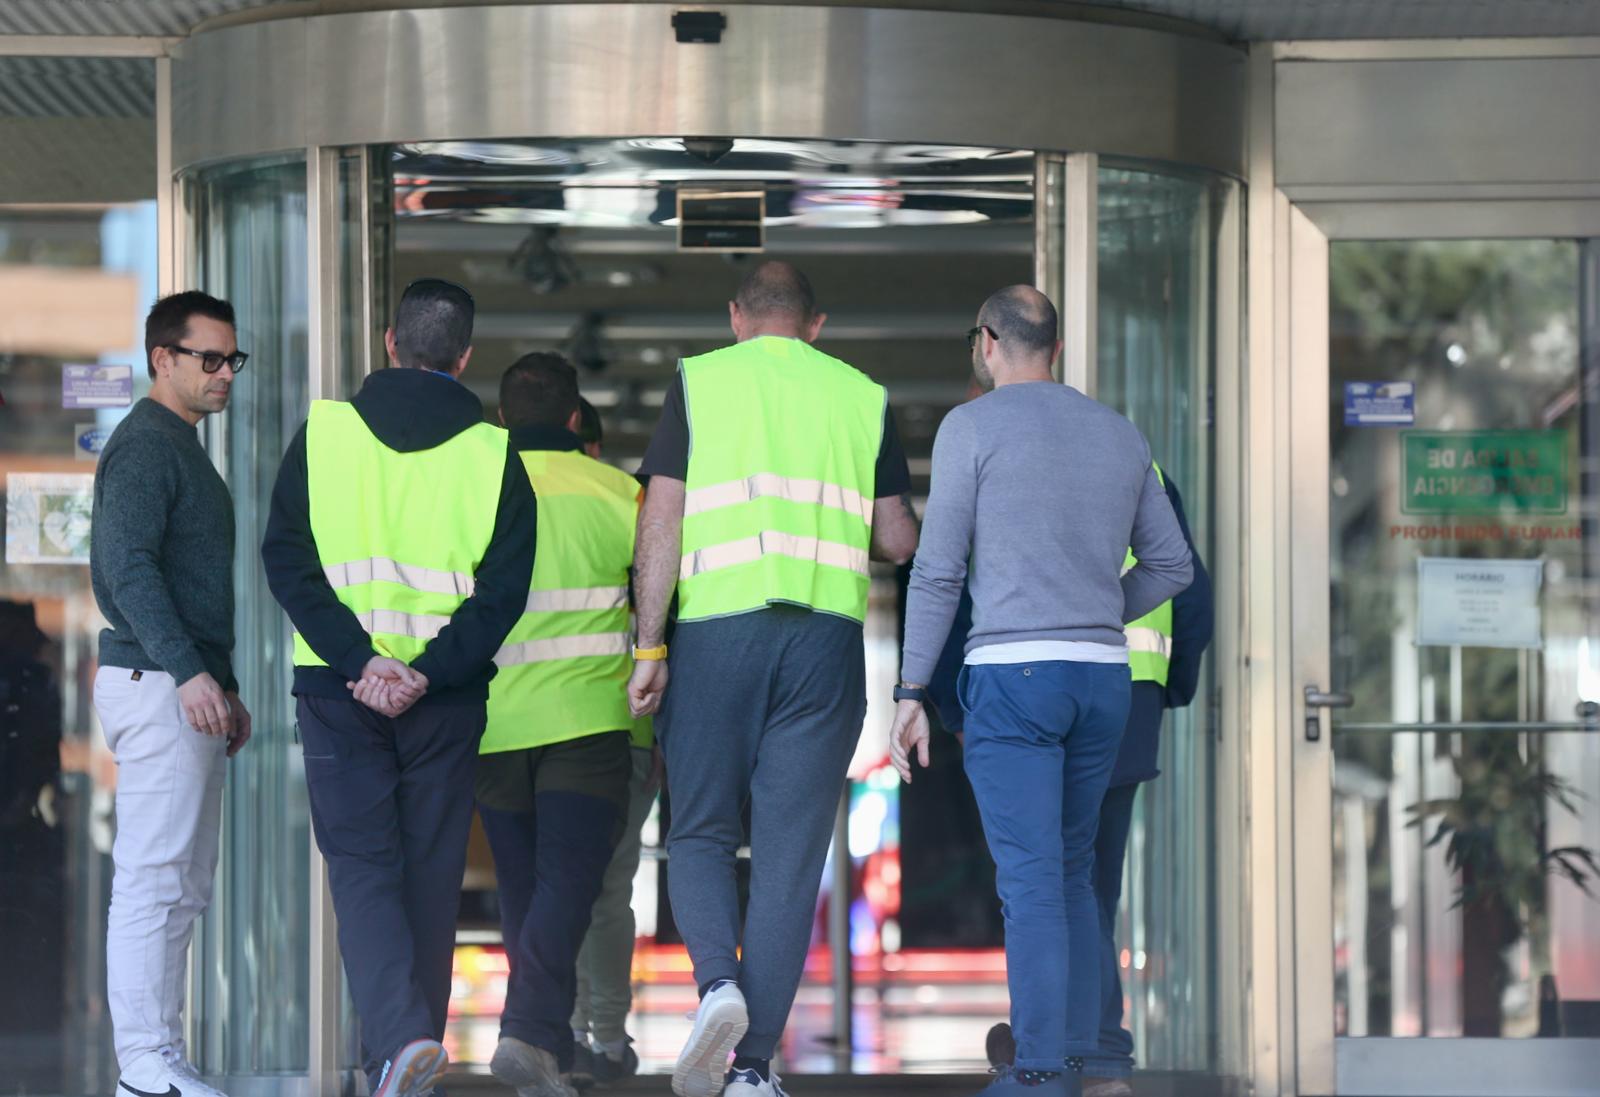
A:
[1000,1046]
[583,1060]
[609,1071]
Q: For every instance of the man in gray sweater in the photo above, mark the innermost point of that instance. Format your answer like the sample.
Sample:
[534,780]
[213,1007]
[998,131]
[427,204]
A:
[161,561]
[1039,492]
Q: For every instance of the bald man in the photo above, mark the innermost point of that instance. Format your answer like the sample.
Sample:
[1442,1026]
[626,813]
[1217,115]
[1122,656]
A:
[1043,491]
[764,526]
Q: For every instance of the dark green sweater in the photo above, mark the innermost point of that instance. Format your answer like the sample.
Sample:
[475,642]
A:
[161,550]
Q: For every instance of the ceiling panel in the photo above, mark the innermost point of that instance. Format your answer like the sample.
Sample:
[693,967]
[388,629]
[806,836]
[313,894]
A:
[1242,19]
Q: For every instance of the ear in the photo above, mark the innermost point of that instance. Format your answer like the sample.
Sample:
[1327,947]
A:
[388,345]
[461,363]
[575,421]
[814,329]
[500,414]
[735,320]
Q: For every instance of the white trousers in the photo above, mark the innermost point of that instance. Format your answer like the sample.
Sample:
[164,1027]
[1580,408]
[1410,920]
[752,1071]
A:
[169,817]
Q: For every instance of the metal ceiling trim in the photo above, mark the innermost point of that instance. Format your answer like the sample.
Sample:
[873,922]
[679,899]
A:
[83,45]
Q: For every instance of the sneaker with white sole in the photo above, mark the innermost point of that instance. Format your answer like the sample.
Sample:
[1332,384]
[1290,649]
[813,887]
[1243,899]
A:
[413,1070]
[163,1074]
[747,1083]
[531,1071]
[719,1024]
[1107,1087]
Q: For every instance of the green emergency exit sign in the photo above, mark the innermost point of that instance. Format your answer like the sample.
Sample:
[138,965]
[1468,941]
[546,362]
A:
[1484,471]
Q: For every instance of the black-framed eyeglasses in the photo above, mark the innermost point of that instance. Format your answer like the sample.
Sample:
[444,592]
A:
[210,360]
[972,335]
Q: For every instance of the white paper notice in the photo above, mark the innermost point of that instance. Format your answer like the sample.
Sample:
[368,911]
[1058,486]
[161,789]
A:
[1479,603]
[47,517]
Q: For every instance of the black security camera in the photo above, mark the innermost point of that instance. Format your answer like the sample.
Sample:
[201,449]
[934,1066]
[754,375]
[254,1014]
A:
[704,27]
[708,149]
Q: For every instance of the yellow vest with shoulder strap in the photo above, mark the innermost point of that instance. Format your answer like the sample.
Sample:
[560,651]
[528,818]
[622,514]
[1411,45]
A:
[400,535]
[1150,637]
[782,463]
[563,670]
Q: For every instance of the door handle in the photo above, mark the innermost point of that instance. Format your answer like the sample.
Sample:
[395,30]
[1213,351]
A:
[1316,700]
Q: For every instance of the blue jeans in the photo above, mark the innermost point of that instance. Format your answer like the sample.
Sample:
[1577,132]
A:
[1041,739]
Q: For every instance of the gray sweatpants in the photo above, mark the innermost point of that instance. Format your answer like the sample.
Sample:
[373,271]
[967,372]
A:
[765,707]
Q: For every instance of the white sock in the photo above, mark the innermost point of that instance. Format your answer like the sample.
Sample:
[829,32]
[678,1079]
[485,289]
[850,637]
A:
[612,1050]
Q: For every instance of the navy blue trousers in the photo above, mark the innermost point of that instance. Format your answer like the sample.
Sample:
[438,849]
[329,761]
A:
[1041,739]
[391,805]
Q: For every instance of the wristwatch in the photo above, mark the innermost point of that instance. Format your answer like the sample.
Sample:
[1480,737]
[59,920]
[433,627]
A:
[910,693]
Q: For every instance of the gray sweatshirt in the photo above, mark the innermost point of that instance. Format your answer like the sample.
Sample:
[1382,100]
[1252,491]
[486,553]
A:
[1044,490]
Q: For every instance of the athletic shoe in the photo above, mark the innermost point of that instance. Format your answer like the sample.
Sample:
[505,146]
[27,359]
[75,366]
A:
[531,1071]
[609,1071]
[1008,1083]
[581,1076]
[719,1024]
[163,1073]
[413,1070]
[747,1083]
[1107,1087]
[1000,1046]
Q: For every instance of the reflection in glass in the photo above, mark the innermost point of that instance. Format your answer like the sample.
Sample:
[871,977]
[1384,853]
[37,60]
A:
[1458,853]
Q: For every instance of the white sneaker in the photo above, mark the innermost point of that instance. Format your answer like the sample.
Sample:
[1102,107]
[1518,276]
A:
[413,1070]
[531,1071]
[163,1073]
[747,1083]
[719,1024]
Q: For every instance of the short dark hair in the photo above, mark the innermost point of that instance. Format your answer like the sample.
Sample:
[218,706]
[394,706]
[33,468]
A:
[776,288]
[539,390]
[590,429]
[168,320]
[1022,317]
[433,324]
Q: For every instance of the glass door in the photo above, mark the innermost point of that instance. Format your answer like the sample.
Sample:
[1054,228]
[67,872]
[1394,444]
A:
[1447,763]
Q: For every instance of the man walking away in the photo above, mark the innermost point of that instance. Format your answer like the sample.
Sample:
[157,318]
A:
[161,559]
[1165,646]
[556,760]
[1045,490]
[774,472]
[602,1049]
[402,564]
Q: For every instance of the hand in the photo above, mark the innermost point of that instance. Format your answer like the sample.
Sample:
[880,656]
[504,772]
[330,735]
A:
[241,725]
[205,706]
[910,730]
[389,686]
[647,686]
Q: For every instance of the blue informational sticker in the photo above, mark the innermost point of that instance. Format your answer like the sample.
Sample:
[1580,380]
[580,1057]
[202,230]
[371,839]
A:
[1380,404]
[88,440]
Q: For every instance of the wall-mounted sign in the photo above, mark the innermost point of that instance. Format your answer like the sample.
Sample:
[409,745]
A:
[1484,471]
[47,517]
[88,440]
[1380,404]
[721,220]
[96,386]
[1479,603]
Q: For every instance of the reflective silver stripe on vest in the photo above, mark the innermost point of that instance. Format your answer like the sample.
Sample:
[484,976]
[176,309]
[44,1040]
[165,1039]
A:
[577,598]
[1150,642]
[772,543]
[563,647]
[769,485]
[418,626]
[380,569]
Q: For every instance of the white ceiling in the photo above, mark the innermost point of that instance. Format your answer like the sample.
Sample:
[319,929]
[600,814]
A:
[1240,19]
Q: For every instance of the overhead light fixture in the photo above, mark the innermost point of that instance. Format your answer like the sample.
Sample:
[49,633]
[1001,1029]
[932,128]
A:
[544,266]
[586,345]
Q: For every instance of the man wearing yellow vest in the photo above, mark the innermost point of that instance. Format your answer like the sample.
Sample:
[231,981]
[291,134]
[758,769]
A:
[556,760]
[402,566]
[774,475]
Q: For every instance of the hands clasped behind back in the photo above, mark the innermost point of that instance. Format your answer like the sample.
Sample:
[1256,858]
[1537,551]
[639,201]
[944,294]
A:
[389,686]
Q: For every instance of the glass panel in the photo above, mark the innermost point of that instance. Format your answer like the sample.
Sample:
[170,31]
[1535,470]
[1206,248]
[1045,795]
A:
[250,240]
[1161,256]
[1464,780]
[91,270]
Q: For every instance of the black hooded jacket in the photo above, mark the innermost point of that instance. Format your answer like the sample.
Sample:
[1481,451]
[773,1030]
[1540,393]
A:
[408,410]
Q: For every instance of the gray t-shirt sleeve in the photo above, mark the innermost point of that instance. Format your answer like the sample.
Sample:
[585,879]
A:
[1165,567]
[940,568]
[139,487]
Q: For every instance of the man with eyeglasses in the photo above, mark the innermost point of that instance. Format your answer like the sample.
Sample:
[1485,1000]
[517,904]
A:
[400,544]
[161,562]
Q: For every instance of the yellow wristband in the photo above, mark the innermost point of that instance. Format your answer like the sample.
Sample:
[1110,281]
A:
[650,655]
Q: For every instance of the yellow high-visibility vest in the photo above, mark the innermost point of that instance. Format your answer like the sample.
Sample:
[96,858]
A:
[564,668]
[399,535]
[1150,637]
[782,463]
